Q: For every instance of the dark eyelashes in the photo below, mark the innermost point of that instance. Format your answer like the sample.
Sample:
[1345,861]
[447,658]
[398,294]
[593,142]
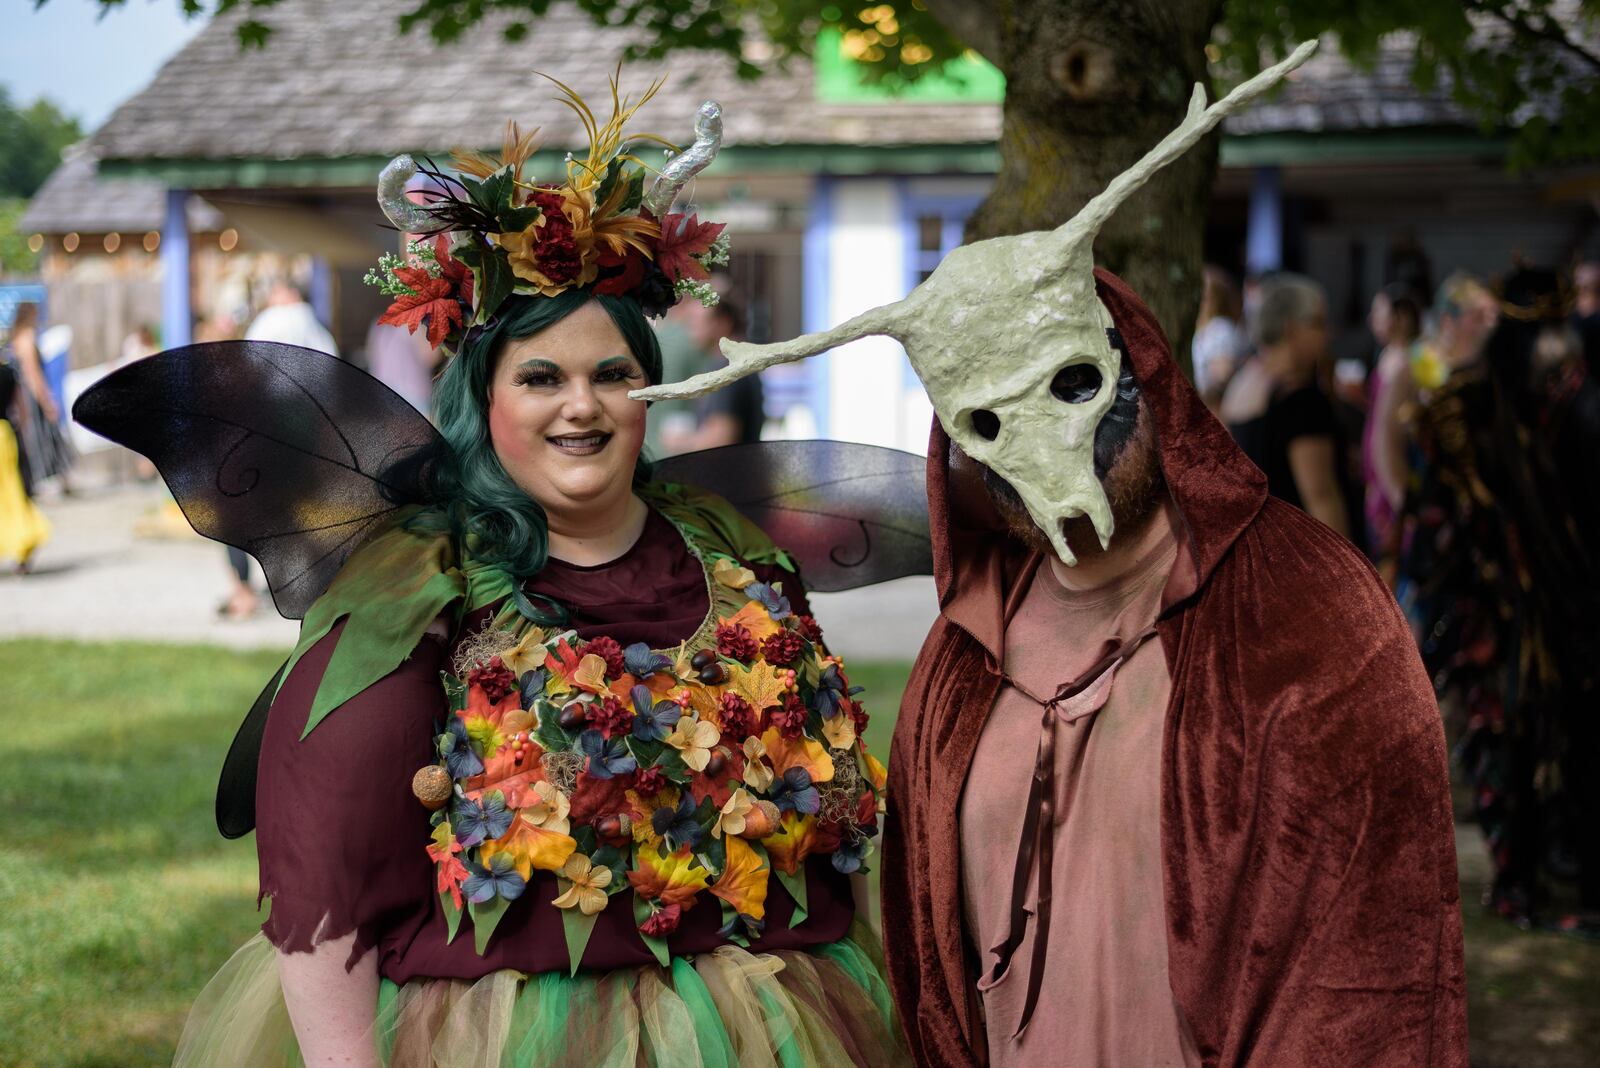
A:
[544,378]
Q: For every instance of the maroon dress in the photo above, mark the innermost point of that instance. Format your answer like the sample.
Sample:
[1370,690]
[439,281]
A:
[341,839]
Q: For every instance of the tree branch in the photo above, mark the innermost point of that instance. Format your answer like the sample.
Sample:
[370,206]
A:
[1552,32]
[973,22]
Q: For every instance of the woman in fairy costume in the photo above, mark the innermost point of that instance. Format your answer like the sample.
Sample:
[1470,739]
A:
[560,770]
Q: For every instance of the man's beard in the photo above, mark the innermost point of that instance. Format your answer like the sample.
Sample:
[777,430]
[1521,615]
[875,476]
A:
[1128,464]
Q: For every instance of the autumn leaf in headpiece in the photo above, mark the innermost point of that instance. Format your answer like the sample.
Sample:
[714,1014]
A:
[743,882]
[682,239]
[673,877]
[434,300]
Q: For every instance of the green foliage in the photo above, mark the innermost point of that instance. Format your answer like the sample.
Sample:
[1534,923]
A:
[15,257]
[1511,63]
[31,140]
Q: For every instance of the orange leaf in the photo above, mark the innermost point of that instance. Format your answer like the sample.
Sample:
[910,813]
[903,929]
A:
[591,674]
[785,753]
[756,619]
[743,882]
[759,685]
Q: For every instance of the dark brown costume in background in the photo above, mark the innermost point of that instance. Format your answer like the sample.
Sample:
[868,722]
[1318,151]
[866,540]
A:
[1308,848]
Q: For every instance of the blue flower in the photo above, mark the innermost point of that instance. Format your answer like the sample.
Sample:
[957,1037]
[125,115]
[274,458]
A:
[653,720]
[776,604]
[640,662]
[679,826]
[794,792]
[831,692]
[474,822]
[532,685]
[607,759]
[500,879]
[849,857]
[456,748]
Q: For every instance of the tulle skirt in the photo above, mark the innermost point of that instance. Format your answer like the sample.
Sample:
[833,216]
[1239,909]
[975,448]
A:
[824,1007]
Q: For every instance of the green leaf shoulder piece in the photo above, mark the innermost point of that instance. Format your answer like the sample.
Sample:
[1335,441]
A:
[387,593]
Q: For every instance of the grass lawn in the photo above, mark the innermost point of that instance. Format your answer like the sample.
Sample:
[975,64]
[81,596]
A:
[118,900]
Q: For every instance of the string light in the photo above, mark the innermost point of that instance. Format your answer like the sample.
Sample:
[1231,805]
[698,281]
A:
[70,242]
[112,242]
[36,243]
[152,241]
[228,239]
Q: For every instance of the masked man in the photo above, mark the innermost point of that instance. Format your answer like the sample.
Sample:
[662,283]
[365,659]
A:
[1235,846]
[1168,782]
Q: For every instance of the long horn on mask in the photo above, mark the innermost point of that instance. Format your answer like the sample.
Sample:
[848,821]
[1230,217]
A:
[745,358]
[688,163]
[1075,237]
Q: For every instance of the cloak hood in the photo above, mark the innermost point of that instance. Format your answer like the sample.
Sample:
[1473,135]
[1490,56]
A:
[1308,849]
[1216,489]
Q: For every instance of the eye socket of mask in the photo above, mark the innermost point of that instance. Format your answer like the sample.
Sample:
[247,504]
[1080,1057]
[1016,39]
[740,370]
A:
[1076,383]
[985,424]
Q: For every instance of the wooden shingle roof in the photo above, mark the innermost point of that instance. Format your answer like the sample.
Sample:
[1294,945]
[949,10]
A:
[338,79]
[76,198]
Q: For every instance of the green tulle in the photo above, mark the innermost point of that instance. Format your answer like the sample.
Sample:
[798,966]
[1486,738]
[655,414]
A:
[823,1008]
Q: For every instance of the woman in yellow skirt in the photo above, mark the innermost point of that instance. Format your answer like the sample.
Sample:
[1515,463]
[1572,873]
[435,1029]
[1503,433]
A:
[23,528]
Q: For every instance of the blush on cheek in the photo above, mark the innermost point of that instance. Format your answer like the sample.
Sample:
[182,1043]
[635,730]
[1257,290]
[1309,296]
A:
[506,436]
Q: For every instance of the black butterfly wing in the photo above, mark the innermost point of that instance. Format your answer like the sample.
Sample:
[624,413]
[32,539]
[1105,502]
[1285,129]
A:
[290,454]
[851,514]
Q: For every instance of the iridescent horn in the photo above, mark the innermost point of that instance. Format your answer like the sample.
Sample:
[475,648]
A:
[407,217]
[688,163]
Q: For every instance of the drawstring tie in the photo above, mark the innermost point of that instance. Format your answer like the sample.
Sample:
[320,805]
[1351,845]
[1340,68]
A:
[1038,838]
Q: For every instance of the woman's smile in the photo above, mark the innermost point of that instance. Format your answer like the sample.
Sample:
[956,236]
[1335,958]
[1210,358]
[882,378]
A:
[585,444]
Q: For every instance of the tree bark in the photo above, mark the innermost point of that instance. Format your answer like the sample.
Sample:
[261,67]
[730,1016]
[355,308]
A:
[1090,87]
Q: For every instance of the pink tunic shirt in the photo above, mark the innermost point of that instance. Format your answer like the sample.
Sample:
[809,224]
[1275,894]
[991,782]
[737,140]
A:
[1105,998]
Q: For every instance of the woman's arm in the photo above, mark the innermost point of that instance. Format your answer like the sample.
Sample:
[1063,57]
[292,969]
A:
[1311,460]
[333,1010]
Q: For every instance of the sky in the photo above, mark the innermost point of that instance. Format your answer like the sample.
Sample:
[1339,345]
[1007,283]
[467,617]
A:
[87,64]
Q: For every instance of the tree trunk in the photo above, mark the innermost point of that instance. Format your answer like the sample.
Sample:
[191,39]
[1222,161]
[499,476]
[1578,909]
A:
[1090,87]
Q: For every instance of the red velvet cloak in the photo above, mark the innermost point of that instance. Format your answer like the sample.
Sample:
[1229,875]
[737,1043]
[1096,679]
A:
[1307,842]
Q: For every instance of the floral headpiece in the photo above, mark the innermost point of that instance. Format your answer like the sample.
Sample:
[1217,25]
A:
[496,231]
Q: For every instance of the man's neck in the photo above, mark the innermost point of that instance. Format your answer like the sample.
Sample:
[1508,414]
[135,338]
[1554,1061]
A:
[596,535]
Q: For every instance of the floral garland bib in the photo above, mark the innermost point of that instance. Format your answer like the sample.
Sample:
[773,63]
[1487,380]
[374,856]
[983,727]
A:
[704,771]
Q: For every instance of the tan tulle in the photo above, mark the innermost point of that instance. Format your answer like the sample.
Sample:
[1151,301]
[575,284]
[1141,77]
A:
[717,1010]
[240,1017]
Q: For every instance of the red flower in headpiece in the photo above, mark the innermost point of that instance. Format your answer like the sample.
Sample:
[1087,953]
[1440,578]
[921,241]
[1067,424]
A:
[630,269]
[682,239]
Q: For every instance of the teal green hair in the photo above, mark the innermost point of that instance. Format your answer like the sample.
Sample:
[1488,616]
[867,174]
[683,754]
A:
[474,499]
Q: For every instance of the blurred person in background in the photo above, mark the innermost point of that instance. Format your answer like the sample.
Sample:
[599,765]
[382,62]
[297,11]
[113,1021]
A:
[1501,550]
[23,528]
[1396,321]
[288,319]
[1464,311]
[681,358]
[403,361]
[45,451]
[1219,338]
[1276,408]
[734,414]
[1586,311]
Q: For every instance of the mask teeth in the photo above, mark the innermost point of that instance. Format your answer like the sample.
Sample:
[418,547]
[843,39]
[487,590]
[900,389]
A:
[1100,516]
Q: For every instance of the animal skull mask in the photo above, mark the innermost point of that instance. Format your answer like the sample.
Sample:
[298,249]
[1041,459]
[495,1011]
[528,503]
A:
[991,329]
